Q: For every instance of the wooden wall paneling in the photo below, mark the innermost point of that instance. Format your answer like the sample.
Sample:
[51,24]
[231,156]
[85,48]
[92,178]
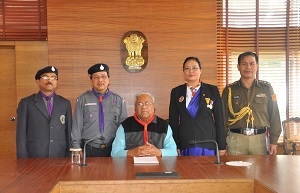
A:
[82,33]
[30,57]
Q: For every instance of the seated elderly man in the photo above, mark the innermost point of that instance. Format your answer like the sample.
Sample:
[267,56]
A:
[144,133]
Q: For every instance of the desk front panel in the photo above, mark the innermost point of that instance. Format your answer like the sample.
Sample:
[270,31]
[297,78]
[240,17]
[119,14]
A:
[280,173]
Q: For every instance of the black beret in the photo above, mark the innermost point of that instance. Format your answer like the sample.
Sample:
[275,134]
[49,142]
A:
[98,68]
[45,70]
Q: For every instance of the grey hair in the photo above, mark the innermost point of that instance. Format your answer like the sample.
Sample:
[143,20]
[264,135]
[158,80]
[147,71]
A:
[143,92]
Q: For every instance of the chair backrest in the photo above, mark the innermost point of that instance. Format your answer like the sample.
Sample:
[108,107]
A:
[291,133]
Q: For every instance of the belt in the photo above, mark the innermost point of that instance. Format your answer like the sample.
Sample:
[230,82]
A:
[249,131]
[99,145]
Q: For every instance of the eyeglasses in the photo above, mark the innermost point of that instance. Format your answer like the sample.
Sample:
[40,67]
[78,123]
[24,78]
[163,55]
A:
[100,77]
[49,77]
[187,69]
[146,104]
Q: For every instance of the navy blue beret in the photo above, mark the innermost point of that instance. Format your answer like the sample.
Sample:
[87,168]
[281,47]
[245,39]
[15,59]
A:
[46,70]
[98,68]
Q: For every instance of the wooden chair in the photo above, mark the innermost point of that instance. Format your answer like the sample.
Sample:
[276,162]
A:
[291,134]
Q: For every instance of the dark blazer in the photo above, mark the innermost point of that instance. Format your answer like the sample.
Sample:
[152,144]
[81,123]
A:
[38,135]
[208,123]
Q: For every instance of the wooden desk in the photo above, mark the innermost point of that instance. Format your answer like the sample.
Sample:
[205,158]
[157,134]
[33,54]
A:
[280,173]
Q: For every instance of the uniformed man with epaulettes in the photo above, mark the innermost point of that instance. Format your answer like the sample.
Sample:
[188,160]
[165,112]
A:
[97,115]
[251,112]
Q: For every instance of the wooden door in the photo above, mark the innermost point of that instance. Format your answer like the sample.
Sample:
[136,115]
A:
[8,102]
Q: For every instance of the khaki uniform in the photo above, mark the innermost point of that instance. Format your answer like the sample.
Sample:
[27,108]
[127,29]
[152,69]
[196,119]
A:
[261,101]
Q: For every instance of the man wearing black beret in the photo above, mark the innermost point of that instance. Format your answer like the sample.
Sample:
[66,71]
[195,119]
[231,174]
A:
[97,115]
[44,120]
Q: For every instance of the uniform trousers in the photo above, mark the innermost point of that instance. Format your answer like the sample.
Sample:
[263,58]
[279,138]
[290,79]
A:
[240,144]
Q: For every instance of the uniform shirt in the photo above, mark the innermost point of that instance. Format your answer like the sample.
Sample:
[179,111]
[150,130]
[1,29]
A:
[86,118]
[130,135]
[262,102]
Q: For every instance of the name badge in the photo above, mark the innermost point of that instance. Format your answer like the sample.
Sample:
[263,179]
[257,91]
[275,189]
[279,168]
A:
[90,104]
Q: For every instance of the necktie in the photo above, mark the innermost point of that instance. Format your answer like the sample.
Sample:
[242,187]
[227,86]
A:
[49,103]
[101,112]
[145,126]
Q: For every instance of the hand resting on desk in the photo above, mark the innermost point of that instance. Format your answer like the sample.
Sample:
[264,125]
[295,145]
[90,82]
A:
[144,150]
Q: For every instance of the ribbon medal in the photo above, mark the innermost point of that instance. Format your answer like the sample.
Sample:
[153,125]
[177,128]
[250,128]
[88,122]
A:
[209,103]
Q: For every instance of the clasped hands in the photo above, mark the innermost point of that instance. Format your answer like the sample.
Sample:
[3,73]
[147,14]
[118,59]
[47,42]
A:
[144,150]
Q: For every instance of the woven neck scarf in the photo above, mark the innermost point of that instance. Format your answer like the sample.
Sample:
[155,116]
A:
[49,103]
[101,113]
[194,90]
[194,104]
[145,125]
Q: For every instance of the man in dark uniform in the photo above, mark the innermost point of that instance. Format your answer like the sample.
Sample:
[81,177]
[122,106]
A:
[44,120]
[251,112]
[97,115]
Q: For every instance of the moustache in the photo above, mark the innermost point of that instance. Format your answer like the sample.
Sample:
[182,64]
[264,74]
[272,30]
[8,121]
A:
[49,83]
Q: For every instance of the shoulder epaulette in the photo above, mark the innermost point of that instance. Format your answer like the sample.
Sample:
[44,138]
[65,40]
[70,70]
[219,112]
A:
[115,94]
[83,93]
[264,82]
[234,83]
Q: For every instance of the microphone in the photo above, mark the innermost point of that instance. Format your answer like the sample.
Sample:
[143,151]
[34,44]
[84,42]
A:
[193,142]
[84,151]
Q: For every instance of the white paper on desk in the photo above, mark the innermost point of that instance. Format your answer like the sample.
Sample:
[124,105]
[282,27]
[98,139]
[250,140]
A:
[238,163]
[145,160]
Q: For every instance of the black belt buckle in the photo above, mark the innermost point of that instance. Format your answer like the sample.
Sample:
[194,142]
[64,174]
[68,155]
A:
[102,146]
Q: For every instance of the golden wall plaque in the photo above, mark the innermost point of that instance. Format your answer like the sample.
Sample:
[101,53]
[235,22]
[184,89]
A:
[134,51]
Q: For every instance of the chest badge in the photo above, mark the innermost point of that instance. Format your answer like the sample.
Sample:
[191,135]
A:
[62,119]
[181,99]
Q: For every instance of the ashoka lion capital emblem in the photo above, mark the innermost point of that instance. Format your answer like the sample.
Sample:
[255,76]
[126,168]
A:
[136,45]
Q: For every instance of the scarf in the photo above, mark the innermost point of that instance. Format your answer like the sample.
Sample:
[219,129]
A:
[101,113]
[194,104]
[145,125]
